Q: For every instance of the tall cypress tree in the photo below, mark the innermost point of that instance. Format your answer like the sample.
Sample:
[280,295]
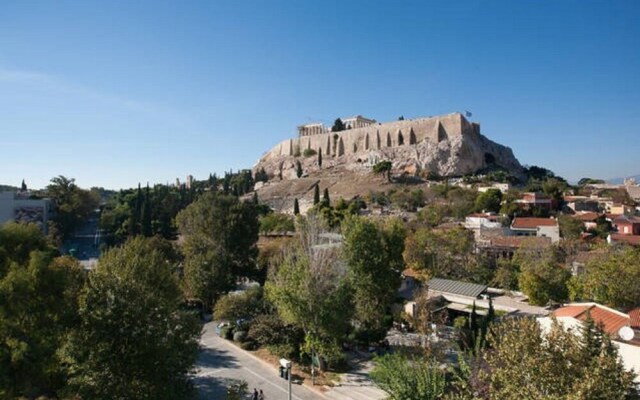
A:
[298,169]
[325,196]
[473,321]
[136,216]
[296,207]
[316,194]
[146,213]
[320,158]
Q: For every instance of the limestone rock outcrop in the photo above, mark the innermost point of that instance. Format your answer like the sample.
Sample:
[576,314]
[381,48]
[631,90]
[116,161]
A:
[444,146]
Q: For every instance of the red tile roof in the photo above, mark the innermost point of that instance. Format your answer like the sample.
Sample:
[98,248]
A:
[626,219]
[635,318]
[610,319]
[587,217]
[532,223]
[633,240]
[518,241]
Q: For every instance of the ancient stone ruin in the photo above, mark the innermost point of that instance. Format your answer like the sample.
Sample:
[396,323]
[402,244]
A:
[446,146]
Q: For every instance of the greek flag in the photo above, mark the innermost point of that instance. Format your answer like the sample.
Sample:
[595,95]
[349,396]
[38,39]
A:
[467,114]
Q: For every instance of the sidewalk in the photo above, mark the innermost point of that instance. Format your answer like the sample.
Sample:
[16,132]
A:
[356,384]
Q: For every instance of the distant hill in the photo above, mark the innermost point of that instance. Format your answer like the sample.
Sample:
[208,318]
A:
[619,181]
[8,188]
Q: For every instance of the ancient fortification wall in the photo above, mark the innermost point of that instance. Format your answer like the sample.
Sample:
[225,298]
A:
[379,136]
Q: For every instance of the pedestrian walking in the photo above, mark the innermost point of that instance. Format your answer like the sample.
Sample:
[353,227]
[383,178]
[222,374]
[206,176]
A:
[255,394]
[261,395]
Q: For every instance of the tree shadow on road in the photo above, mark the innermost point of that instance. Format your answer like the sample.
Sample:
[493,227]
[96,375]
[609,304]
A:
[215,358]
[205,382]
[210,387]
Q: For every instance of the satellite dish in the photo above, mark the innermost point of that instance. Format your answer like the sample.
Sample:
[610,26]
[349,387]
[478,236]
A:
[626,333]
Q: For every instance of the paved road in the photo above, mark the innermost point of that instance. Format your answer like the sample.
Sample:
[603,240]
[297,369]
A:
[220,364]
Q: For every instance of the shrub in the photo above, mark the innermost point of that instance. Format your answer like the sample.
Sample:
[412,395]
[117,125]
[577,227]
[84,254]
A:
[233,307]
[240,336]
[249,345]
[285,350]
[227,332]
[309,152]
[276,222]
[268,329]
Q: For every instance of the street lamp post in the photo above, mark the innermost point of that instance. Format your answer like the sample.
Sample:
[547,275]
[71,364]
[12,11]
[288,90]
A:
[287,365]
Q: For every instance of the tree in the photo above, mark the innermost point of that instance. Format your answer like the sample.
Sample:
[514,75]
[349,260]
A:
[489,201]
[235,306]
[554,188]
[373,277]
[309,288]
[506,275]
[325,196]
[525,362]
[383,168]
[146,214]
[296,207]
[589,181]
[23,186]
[409,379]
[606,279]
[441,253]
[316,194]
[570,227]
[261,175]
[320,158]
[338,126]
[38,307]
[134,339]
[298,169]
[73,205]
[220,235]
[276,222]
[401,118]
[542,277]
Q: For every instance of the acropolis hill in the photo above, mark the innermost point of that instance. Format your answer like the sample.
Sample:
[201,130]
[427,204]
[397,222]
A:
[445,146]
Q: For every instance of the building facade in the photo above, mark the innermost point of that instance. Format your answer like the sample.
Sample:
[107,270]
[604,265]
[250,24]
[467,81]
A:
[20,207]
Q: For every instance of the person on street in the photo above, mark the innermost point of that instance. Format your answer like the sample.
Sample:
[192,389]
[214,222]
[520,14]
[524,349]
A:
[255,394]
[261,395]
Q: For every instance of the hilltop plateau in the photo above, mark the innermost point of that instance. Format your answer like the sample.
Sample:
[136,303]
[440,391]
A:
[418,150]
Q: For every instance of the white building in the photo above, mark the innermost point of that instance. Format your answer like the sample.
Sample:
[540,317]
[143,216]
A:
[19,207]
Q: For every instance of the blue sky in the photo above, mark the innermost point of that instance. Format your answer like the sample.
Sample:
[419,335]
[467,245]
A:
[119,92]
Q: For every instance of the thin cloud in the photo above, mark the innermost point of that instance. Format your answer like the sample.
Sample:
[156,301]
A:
[49,82]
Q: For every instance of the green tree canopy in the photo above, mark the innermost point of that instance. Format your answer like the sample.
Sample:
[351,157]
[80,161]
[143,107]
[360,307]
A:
[542,277]
[73,204]
[446,253]
[338,126]
[488,201]
[309,288]
[220,235]
[607,279]
[38,307]
[374,258]
[523,362]
[383,168]
[134,341]
[409,379]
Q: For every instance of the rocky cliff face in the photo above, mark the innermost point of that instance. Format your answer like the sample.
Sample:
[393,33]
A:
[457,155]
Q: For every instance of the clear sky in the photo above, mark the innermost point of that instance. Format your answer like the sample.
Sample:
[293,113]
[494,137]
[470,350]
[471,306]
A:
[114,93]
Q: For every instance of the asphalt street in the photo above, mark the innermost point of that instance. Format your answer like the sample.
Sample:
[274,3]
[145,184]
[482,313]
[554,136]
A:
[220,364]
